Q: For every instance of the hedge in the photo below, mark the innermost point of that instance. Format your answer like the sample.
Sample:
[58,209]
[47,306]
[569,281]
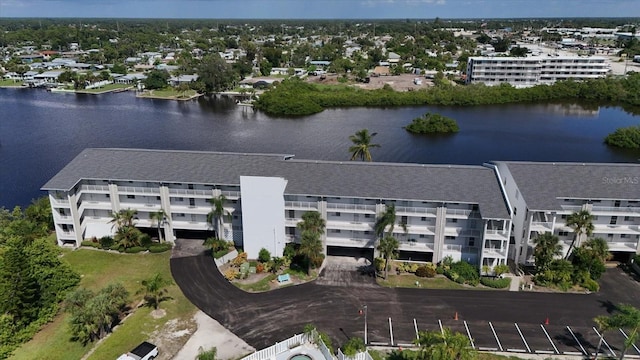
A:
[495,283]
[90,244]
[158,248]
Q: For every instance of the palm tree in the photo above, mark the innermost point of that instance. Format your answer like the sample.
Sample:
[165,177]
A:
[362,145]
[312,221]
[217,214]
[603,326]
[599,248]
[158,218]
[582,223]
[547,248]
[627,317]
[445,345]
[311,248]
[154,289]
[124,217]
[386,220]
[388,247]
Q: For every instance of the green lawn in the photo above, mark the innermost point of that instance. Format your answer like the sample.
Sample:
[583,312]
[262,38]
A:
[4,82]
[258,286]
[168,93]
[409,281]
[99,268]
[108,87]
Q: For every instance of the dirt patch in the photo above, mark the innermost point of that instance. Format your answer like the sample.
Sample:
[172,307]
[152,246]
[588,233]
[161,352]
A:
[158,313]
[171,336]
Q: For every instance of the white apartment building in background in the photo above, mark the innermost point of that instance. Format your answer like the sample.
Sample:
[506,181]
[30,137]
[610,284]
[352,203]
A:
[534,70]
[447,210]
[480,214]
[543,195]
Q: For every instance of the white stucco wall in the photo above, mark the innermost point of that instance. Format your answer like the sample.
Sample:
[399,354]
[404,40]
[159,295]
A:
[262,214]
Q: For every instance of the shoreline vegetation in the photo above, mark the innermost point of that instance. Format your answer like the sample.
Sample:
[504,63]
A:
[293,97]
[626,138]
[432,124]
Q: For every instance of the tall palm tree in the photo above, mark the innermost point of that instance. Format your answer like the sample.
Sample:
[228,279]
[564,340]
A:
[124,217]
[388,247]
[158,218]
[603,326]
[547,248]
[599,248]
[311,227]
[582,223]
[362,145]
[217,214]
[386,221]
[445,345]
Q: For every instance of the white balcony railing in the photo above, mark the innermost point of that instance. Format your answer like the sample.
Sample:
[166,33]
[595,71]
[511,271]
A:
[416,245]
[542,224]
[494,251]
[571,207]
[355,207]
[628,209]
[460,212]
[138,190]
[415,210]
[57,201]
[231,194]
[306,205]
[95,188]
[190,192]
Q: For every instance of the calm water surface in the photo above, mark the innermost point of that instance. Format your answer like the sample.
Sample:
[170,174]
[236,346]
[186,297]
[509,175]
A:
[40,132]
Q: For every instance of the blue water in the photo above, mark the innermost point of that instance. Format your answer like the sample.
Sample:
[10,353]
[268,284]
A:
[40,132]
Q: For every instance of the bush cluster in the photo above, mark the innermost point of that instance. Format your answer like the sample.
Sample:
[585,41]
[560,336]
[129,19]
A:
[426,271]
[107,243]
[432,124]
[463,273]
[495,283]
[628,137]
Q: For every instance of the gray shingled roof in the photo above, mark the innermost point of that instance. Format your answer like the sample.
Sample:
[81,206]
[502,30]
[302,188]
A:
[450,183]
[541,184]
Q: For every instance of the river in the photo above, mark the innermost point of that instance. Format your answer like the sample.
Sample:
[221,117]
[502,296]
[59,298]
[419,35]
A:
[41,131]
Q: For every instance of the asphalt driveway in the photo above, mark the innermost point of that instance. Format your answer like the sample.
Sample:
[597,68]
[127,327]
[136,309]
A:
[263,319]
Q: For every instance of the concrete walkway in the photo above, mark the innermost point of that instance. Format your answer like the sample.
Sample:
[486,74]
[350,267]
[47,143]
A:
[211,334]
[515,282]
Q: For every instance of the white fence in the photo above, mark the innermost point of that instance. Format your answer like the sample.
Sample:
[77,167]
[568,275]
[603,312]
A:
[293,342]
[359,356]
[225,259]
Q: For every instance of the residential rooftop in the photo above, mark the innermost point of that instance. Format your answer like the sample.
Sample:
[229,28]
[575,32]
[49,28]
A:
[433,183]
[543,184]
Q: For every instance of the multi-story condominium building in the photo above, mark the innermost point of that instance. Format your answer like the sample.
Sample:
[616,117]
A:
[543,195]
[534,70]
[441,210]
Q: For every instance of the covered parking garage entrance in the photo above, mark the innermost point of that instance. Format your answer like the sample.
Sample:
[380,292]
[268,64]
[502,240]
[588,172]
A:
[348,266]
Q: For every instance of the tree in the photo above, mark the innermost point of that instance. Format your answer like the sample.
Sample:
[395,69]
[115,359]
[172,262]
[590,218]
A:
[157,79]
[312,227]
[158,218]
[265,68]
[39,212]
[603,326]
[547,248]
[124,217]
[628,318]
[154,290]
[445,345]
[217,214]
[353,346]
[582,223]
[264,255]
[388,247]
[215,74]
[362,145]
[386,220]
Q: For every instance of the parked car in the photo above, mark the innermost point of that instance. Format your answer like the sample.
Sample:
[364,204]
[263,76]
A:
[144,351]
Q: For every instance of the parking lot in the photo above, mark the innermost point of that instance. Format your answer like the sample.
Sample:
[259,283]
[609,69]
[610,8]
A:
[545,338]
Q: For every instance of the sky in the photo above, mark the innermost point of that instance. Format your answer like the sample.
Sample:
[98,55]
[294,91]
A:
[319,9]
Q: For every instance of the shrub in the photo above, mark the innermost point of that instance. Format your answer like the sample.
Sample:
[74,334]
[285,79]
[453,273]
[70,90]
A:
[134,249]
[220,253]
[468,272]
[495,283]
[106,242]
[425,271]
[259,268]
[158,248]
[432,124]
[240,259]
[413,268]
[90,243]
[231,273]
[290,250]
[145,241]
[628,137]
[440,270]
[379,264]
[591,285]
[500,269]
[353,346]
[264,255]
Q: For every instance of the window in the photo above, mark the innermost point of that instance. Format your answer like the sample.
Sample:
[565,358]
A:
[454,220]
[423,219]
[564,217]
[627,218]
[472,242]
[421,236]
[515,211]
[108,196]
[367,216]
[336,214]
[614,220]
[563,233]
[192,202]
[610,236]
[449,237]
[190,186]
[616,203]
[157,197]
[131,196]
[623,236]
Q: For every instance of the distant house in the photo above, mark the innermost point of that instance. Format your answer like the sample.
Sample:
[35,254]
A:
[182,79]
[132,60]
[381,71]
[393,58]
[48,76]
[128,79]
[29,58]
[322,63]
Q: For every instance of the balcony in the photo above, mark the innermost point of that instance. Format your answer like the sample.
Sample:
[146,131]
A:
[458,212]
[618,211]
[418,229]
[542,226]
[358,208]
[571,208]
[140,206]
[629,246]
[59,202]
[92,204]
[191,193]
[349,225]
[494,252]
[349,241]
[193,209]
[68,234]
[232,195]
[416,246]
[300,205]
[616,229]
[496,234]
[190,225]
[58,218]
[98,189]
[422,211]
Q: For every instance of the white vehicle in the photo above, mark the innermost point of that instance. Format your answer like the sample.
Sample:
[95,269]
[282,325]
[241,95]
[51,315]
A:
[144,351]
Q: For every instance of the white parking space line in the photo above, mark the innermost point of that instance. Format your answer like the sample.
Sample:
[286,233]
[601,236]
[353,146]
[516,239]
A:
[441,328]
[577,341]
[473,346]
[391,331]
[415,326]
[496,336]
[522,337]
[549,338]
[627,337]
[604,342]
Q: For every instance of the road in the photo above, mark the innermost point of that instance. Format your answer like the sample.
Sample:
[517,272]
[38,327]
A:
[262,319]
